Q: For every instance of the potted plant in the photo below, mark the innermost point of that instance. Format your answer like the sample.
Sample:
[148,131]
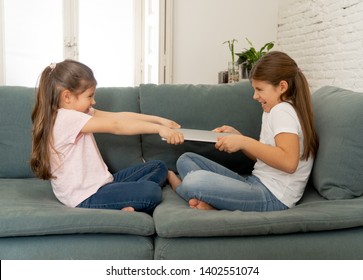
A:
[249,57]
[233,75]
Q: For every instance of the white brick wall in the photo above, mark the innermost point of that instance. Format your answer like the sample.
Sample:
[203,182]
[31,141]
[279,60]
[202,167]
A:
[325,37]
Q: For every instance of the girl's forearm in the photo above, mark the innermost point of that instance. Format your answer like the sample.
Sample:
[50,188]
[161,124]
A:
[135,126]
[139,116]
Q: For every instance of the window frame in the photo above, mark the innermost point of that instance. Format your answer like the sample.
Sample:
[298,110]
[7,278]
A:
[2,52]
[166,42]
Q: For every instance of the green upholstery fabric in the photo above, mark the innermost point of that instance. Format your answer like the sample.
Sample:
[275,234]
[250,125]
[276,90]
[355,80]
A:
[117,151]
[28,207]
[16,105]
[201,107]
[338,167]
[77,247]
[174,218]
[323,245]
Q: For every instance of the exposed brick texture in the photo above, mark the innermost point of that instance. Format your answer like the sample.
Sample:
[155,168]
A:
[325,37]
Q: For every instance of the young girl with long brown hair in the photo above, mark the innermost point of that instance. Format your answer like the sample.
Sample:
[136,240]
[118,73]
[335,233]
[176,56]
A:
[284,153]
[65,152]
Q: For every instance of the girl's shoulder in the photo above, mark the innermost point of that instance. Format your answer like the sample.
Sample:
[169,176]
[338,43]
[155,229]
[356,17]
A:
[69,116]
[283,107]
[283,118]
[283,110]
[71,112]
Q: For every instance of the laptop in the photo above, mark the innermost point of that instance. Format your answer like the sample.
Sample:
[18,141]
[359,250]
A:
[201,135]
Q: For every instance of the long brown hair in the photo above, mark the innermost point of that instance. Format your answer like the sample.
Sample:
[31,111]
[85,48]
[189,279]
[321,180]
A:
[67,75]
[275,67]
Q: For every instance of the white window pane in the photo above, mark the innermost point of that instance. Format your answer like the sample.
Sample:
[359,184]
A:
[107,40]
[33,39]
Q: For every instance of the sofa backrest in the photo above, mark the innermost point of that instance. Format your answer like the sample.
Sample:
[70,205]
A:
[201,107]
[338,167]
[16,105]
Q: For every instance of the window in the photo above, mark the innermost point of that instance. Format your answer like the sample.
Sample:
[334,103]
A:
[119,40]
[108,26]
[30,41]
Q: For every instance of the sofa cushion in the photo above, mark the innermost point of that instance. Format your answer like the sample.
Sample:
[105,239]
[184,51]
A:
[16,105]
[174,218]
[117,151]
[201,107]
[28,207]
[338,167]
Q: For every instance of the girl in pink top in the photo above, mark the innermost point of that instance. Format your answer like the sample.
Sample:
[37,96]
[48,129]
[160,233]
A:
[65,152]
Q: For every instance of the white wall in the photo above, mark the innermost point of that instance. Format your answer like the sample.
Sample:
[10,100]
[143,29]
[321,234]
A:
[201,27]
[325,37]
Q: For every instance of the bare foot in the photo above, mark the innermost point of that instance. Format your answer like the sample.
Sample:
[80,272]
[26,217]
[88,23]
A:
[174,180]
[128,209]
[201,205]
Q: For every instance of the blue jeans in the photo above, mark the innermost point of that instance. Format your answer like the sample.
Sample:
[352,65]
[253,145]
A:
[222,188]
[137,186]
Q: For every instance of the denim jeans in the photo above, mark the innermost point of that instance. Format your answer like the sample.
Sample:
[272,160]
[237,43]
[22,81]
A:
[137,186]
[222,188]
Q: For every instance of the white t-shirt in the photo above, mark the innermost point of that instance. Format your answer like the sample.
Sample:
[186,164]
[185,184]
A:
[288,188]
[78,166]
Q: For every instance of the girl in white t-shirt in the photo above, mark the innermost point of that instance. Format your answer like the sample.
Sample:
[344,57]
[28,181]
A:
[284,153]
[65,152]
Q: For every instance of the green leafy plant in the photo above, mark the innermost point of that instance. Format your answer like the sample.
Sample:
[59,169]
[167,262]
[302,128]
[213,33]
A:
[233,74]
[231,48]
[250,56]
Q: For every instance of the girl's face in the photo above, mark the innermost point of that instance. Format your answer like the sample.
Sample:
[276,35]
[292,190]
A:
[84,101]
[268,95]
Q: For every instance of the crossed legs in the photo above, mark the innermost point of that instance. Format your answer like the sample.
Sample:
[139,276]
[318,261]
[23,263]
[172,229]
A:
[175,181]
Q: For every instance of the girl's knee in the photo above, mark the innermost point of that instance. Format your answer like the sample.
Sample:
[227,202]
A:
[162,167]
[152,191]
[188,156]
[159,164]
[195,179]
[197,175]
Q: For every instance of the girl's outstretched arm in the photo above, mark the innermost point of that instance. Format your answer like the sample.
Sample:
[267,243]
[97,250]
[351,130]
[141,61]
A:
[129,126]
[137,116]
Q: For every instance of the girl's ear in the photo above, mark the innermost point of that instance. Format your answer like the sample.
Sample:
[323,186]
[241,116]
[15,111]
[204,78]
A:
[283,86]
[66,96]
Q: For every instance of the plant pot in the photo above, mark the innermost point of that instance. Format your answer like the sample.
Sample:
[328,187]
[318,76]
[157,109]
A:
[233,72]
[244,73]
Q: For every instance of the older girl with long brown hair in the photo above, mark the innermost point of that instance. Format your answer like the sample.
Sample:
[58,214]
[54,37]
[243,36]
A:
[284,153]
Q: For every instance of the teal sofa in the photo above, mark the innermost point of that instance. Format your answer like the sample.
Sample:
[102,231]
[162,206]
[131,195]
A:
[327,223]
